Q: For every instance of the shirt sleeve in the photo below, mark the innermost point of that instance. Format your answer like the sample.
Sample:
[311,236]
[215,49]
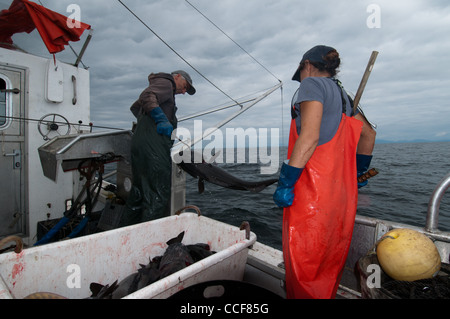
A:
[159,91]
[310,90]
[148,101]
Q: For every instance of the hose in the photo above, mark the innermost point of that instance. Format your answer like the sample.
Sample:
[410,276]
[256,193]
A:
[89,201]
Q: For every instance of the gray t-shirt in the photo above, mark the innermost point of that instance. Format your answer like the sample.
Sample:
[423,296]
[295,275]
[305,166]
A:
[327,92]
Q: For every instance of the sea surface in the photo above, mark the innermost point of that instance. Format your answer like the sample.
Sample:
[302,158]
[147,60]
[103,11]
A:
[408,175]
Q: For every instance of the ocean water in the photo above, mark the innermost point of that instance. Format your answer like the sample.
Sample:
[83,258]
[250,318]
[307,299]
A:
[408,174]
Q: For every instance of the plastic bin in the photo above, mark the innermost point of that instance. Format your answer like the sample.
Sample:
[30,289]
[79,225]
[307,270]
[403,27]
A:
[67,268]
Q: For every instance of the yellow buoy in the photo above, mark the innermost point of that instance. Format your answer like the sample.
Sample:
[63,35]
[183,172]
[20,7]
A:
[408,255]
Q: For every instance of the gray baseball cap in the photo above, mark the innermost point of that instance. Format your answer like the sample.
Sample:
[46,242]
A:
[191,90]
[316,54]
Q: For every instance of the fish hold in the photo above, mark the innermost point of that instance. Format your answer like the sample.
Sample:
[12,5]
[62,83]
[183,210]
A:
[176,257]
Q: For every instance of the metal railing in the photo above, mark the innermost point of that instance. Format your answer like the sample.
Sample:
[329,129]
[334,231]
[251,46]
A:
[434,203]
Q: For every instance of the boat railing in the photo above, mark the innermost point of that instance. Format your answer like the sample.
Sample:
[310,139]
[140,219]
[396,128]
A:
[431,225]
[435,202]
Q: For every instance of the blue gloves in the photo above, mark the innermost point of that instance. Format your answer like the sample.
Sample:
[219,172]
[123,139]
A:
[163,125]
[362,166]
[284,194]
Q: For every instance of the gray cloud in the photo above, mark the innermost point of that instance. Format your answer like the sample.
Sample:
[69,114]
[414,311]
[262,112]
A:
[407,95]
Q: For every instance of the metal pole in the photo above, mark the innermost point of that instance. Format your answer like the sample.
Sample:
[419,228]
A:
[434,203]
[219,125]
[80,56]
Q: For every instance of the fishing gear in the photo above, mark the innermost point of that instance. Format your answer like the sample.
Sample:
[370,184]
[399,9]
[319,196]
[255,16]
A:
[87,198]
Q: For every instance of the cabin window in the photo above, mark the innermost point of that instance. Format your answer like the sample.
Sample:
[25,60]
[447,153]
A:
[2,102]
[5,103]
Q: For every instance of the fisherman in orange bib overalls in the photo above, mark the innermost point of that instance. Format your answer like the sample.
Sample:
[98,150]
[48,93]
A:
[318,184]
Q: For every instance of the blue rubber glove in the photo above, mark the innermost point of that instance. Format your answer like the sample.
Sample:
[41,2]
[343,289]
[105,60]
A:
[163,125]
[284,194]
[362,166]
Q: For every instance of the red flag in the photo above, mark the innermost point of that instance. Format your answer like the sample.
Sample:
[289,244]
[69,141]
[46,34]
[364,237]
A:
[14,20]
[52,26]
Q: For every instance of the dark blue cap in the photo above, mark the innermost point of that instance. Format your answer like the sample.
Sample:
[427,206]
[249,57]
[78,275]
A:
[316,54]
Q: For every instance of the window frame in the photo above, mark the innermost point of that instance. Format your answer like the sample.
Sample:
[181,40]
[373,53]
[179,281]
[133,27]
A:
[8,103]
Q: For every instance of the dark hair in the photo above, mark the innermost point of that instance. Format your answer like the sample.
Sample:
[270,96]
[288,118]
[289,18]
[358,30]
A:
[331,63]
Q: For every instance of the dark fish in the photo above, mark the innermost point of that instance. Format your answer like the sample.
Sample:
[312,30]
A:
[213,174]
[145,276]
[140,279]
[102,292]
[176,240]
[116,290]
[199,251]
[149,273]
[127,286]
[176,257]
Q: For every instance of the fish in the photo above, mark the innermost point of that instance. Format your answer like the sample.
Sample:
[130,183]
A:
[102,291]
[176,257]
[149,273]
[126,286]
[143,277]
[199,251]
[212,173]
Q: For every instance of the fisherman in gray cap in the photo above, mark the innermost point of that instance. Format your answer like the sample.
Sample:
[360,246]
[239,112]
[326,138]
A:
[155,111]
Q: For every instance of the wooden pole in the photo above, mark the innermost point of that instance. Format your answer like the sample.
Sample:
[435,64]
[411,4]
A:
[364,80]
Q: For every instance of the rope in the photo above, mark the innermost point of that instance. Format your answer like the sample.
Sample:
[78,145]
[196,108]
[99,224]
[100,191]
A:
[251,56]
[254,59]
[58,122]
[174,51]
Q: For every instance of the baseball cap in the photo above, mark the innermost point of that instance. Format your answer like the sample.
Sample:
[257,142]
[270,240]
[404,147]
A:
[316,54]
[191,90]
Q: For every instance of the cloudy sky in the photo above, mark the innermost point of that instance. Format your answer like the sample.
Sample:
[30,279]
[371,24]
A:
[407,96]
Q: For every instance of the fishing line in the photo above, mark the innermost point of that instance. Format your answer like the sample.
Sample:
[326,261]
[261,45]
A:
[252,57]
[174,51]
[58,122]
[212,110]
[282,112]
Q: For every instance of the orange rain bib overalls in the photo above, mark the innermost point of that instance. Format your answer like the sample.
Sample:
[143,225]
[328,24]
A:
[318,227]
